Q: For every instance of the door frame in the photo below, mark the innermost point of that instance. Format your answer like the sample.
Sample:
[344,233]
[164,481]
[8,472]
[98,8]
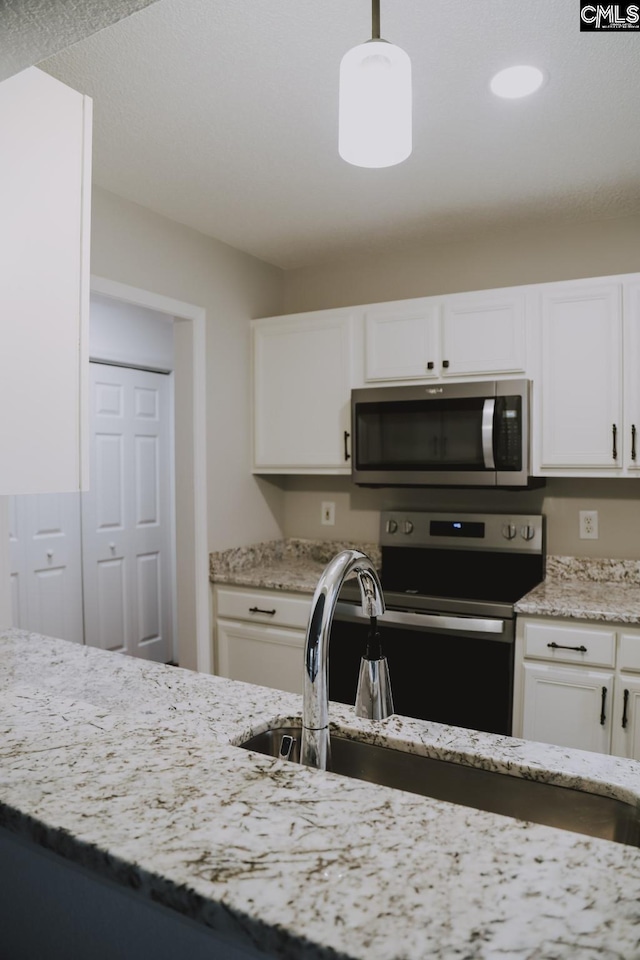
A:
[196,471]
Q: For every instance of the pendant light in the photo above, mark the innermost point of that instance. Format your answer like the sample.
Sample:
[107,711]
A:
[375,102]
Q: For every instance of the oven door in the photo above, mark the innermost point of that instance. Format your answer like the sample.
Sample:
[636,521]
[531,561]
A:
[451,669]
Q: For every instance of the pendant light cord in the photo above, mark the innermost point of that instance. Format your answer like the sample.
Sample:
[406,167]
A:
[375,19]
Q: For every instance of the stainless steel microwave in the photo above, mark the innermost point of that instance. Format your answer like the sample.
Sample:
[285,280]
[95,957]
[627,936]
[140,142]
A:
[451,434]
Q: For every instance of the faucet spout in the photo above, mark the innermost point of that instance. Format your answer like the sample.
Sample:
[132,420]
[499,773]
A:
[315,712]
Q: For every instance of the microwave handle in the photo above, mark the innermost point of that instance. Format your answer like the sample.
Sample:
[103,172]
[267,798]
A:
[488,411]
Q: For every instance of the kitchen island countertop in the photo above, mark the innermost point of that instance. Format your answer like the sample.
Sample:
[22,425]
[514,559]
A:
[129,769]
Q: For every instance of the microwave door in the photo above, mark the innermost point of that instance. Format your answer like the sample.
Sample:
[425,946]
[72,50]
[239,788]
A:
[488,414]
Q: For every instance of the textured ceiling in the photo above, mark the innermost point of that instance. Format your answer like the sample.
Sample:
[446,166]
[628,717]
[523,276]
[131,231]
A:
[222,114]
[33,29]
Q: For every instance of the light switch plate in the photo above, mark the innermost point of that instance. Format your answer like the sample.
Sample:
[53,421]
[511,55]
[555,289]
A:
[328,513]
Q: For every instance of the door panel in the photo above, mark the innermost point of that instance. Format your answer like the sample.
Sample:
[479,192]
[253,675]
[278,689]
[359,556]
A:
[147,480]
[46,579]
[111,622]
[126,514]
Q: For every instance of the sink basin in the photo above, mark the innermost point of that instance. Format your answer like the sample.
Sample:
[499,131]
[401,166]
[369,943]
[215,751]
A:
[552,805]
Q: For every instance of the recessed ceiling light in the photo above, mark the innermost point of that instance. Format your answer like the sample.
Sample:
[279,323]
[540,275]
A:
[517,82]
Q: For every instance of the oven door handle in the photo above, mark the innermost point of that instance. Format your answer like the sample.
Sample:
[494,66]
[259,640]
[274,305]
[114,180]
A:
[434,620]
[488,411]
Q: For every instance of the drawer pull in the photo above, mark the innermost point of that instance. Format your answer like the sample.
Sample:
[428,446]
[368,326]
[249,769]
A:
[269,613]
[625,719]
[560,646]
[603,715]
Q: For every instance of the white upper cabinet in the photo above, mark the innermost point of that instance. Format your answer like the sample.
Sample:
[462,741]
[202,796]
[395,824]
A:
[402,340]
[463,335]
[484,333]
[45,183]
[579,398]
[302,392]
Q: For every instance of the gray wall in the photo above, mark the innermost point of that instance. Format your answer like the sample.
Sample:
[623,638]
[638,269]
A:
[135,246]
[532,255]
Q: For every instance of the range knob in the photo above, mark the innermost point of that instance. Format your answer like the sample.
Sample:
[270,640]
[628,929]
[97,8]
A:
[509,531]
[407,526]
[392,526]
[528,532]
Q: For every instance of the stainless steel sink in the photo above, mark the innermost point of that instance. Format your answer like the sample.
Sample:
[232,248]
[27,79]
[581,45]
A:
[511,796]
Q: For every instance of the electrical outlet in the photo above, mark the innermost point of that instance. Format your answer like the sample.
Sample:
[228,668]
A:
[588,524]
[328,513]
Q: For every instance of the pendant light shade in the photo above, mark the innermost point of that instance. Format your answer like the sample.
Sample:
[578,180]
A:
[375,102]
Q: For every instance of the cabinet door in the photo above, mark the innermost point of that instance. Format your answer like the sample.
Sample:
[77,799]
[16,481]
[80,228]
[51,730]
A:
[402,340]
[631,438]
[483,333]
[269,656]
[46,575]
[581,390]
[302,393]
[568,706]
[45,180]
[625,741]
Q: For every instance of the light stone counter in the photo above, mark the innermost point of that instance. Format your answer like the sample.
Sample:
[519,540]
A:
[128,768]
[599,590]
[292,564]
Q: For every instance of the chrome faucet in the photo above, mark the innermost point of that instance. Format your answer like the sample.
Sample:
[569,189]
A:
[374,693]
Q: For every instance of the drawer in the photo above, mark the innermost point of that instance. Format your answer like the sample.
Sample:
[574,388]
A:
[629,650]
[570,643]
[264,606]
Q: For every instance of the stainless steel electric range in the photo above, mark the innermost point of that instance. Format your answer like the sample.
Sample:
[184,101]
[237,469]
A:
[450,583]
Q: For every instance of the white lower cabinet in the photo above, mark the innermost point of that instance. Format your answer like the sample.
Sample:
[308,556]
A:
[577,684]
[570,706]
[260,636]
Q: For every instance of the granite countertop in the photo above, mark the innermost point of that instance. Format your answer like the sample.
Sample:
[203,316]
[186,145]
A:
[129,768]
[578,587]
[292,564]
[599,590]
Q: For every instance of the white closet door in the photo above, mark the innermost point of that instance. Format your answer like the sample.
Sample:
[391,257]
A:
[126,515]
[44,545]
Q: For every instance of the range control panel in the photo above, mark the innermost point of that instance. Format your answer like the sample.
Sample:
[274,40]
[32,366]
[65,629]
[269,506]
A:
[520,533]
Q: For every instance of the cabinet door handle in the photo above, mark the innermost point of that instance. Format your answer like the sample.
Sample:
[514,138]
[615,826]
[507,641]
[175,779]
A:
[559,646]
[430,365]
[614,431]
[633,442]
[269,613]
[625,718]
[603,715]
[445,363]
[347,455]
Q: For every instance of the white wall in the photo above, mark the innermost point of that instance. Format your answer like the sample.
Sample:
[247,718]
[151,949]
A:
[136,246]
[526,255]
[125,333]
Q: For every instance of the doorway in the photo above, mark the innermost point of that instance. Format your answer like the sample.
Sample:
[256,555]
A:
[109,595]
